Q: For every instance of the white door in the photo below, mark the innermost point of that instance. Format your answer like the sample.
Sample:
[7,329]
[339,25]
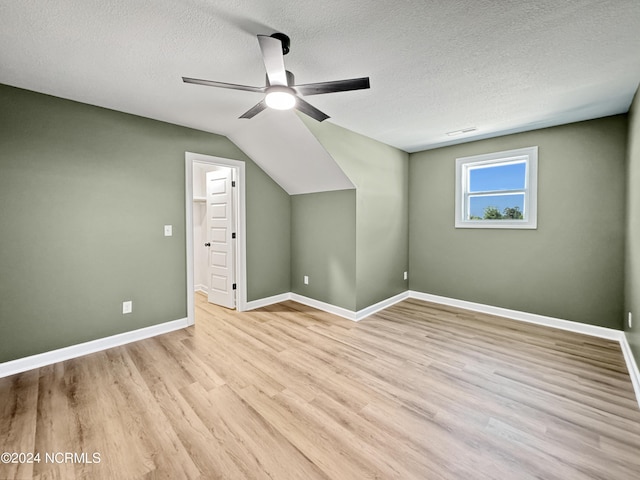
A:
[220,238]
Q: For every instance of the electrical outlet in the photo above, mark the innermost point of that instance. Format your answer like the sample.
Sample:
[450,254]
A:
[406,275]
[306,280]
[630,320]
[168,230]
[127,307]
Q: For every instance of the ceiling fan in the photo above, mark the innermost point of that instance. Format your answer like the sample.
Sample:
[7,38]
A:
[281,93]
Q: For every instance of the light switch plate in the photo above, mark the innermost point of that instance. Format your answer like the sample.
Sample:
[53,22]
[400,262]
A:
[127,307]
[306,280]
[168,230]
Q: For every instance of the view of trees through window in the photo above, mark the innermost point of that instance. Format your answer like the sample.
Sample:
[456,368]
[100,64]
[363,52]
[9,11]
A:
[497,190]
[492,212]
[494,191]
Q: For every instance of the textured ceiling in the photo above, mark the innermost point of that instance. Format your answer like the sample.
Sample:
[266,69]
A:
[435,66]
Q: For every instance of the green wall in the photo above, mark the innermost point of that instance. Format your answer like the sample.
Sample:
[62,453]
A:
[268,235]
[323,246]
[632,272]
[380,174]
[571,267]
[85,193]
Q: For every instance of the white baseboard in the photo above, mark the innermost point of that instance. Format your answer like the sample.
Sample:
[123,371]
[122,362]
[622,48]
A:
[201,288]
[35,361]
[263,302]
[47,358]
[375,308]
[632,365]
[586,329]
[326,307]
[602,332]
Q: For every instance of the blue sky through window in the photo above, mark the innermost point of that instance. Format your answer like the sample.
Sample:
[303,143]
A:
[497,177]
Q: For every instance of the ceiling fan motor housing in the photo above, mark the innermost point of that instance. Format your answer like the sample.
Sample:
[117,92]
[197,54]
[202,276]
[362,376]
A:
[286,42]
[291,79]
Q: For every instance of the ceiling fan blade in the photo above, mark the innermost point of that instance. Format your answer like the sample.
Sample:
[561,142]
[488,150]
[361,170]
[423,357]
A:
[310,110]
[335,86]
[253,111]
[211,83]
[273,59]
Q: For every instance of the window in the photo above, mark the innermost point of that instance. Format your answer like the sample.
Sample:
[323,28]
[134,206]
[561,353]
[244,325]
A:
[497,190]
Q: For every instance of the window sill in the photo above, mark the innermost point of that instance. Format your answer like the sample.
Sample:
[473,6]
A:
[505,225]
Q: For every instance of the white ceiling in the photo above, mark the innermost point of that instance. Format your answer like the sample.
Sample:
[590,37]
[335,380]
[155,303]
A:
[435,66]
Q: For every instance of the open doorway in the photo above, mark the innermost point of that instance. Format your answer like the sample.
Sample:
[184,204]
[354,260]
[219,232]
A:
[216,243]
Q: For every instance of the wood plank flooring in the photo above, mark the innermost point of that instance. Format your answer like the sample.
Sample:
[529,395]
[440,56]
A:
[418,391]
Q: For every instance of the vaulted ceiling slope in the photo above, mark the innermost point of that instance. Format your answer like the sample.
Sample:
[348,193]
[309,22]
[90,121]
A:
[290,154]
[435,66]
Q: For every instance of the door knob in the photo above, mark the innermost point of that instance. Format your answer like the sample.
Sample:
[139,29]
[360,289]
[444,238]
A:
[207,244]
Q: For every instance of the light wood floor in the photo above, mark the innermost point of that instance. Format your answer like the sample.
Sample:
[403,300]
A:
[419,391]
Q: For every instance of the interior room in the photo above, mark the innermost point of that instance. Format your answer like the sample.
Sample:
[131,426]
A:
[233,290]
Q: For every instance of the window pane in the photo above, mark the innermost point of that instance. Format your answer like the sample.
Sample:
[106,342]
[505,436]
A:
[510,176]
[496,207]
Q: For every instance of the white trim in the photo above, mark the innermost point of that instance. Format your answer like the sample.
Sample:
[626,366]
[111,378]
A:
[201,288]
[595,331]
[54,356]
[263,302]
[326,307]
[632,366]
[346,313]
[40,360]
[241,246]
[188,174]
[376,307]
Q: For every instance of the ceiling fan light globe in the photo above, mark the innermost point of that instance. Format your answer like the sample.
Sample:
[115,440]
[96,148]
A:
[280,98]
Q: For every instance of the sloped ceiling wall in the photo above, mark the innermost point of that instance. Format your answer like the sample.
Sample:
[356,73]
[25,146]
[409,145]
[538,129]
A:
[280,143]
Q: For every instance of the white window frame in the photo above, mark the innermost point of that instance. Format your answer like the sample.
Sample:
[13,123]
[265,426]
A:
[530,210]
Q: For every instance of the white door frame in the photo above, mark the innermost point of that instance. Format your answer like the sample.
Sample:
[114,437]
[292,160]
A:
[241,244]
